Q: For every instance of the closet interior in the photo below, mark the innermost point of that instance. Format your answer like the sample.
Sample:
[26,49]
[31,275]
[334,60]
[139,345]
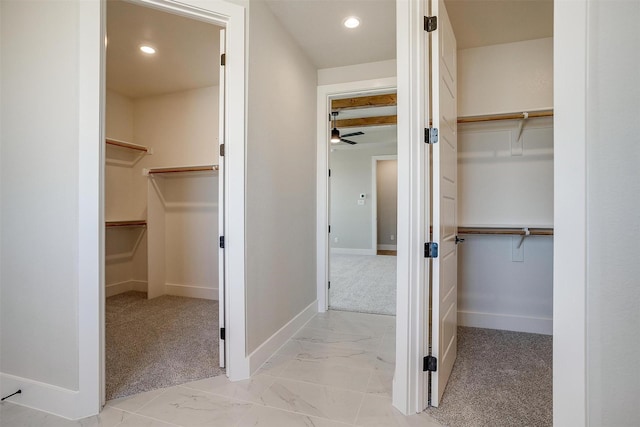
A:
[504,218]
[161,200]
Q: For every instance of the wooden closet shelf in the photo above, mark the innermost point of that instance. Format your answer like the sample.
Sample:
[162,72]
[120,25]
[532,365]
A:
[134,223]
[512,231]
[205,168]
[509,116]
[124,144]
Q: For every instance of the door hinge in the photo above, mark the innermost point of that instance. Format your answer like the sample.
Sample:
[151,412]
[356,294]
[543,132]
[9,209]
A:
[431,250]
[430,23]
[222,242]
[329,284]
[223,59]
[222,334]
[430,135]
[329,173]
[221,150]
[329,229]
[429,364]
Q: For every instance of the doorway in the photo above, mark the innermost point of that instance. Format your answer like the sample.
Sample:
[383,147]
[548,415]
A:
[166,196]
[360,279]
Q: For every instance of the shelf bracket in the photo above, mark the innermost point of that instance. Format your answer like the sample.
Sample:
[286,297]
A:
[526,233]
[525,116]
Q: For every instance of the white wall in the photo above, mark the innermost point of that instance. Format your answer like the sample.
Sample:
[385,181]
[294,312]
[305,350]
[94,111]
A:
[505,78]
[358,72]
[351,174]
[613,230]
[506,181]
[182,130]
[387,201]
[40,196]
[280,181]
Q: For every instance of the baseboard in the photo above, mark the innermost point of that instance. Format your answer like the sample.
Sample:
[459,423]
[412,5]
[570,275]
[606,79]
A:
[280,338]
[387,247]
[350,251]
[190,291]
[126,286]
[41,396]
[505,322]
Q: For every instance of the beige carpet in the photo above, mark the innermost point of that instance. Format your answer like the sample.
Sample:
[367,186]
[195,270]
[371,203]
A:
[158,343]
[500,379]
[363,283]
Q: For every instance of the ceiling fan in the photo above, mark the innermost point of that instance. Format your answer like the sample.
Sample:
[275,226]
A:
[335,133]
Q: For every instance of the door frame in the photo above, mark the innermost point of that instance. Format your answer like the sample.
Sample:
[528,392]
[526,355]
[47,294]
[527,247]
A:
[374,196]
[92,338]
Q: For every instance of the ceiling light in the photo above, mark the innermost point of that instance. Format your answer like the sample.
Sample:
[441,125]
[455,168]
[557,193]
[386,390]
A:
[147,49]
[351,22]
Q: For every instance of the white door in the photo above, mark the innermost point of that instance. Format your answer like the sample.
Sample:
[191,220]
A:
[221,199]
[444,218]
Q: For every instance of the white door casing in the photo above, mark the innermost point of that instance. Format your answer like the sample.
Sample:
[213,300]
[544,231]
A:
[444,282]
[221,202]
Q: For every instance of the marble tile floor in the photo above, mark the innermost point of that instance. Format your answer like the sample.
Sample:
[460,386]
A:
[336,371]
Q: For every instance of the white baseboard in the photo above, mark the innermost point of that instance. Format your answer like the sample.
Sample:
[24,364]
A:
[350,251]
[505,322]
[42,397]
[387,247]
[126,286]
[191,291]
[277,340]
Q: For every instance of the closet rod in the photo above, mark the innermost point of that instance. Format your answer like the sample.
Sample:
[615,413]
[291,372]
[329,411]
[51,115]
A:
[205,168]
[510,116]
[136,223]
[511,231]
[129,145]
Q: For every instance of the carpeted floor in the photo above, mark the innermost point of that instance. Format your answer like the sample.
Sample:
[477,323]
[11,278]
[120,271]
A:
[500,379]
[160,342]
[363,283]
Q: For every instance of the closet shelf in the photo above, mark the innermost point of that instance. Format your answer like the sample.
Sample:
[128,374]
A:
[511,231]
[134,223]
[128,145]
[509,116]
[181,169]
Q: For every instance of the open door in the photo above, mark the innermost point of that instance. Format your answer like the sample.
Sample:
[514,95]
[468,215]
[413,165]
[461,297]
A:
[444,284]
[221,200]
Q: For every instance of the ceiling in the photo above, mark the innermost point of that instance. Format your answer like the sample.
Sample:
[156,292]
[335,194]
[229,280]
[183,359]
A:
[187,54]
[317,27]
[486,22]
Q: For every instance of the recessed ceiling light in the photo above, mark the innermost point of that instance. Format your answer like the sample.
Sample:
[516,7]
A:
[147,49]
[351,22]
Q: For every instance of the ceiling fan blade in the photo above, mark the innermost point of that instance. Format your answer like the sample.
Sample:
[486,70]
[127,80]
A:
[348,142]
[353,134]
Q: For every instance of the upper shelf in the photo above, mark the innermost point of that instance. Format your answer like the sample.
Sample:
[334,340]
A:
[134,223]
[180,169]
[129,145]
[509,116]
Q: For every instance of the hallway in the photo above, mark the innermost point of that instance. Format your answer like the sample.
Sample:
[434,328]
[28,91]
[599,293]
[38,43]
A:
[336,371]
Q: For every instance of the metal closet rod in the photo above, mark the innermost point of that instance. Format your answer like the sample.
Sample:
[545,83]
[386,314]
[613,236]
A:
[204,168]
[508,116]
[511,231]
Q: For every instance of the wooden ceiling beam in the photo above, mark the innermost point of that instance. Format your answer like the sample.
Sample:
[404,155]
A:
[367,121]
[388,100]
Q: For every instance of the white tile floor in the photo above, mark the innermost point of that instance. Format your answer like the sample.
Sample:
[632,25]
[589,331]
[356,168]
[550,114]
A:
[336,371]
